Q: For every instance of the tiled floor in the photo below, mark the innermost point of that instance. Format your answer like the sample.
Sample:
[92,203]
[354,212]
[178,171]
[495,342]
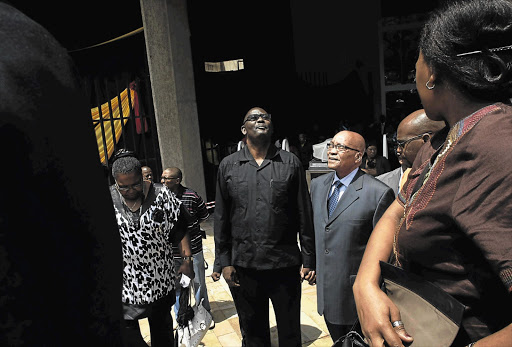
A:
[227,330]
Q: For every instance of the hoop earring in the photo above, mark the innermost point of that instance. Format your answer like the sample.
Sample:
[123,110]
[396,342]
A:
[429,87]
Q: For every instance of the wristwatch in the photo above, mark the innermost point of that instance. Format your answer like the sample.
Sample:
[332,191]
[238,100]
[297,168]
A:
[187,258]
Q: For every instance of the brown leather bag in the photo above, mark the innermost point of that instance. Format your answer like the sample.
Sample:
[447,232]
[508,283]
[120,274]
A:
[430,315]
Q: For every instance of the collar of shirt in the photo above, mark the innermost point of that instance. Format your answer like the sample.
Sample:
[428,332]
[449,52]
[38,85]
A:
[245,154]
[345,181]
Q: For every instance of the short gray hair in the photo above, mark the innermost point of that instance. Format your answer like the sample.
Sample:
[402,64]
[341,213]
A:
[126,165]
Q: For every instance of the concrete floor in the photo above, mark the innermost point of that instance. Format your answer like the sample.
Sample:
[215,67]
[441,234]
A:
[227,330]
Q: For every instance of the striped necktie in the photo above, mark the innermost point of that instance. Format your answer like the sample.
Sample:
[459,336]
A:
[333,199]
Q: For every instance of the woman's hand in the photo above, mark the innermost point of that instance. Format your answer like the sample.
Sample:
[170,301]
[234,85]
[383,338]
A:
[376,313]
[375,310]
[187,268]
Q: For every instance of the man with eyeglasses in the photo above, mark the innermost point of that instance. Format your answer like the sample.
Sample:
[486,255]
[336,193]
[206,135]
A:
[150,218]
[412,132]
[347,204]
[172,178]
[261,204]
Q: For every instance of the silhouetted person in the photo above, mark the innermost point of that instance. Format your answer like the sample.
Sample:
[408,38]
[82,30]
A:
[305,150]
[60,252]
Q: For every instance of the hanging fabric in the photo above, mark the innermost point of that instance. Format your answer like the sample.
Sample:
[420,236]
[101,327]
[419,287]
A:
[108,119]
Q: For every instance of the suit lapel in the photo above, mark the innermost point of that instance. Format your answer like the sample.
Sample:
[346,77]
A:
[350,195]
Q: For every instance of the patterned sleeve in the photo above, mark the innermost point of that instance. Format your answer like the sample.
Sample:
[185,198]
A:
[424,154]
[483,203]
[173,210]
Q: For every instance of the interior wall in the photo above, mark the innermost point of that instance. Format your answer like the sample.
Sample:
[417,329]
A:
[337,37]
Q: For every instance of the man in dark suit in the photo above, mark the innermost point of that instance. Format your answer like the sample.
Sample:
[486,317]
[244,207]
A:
[347,204]
[413,131]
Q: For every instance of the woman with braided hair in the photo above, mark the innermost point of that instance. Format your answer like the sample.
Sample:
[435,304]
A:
[452,221]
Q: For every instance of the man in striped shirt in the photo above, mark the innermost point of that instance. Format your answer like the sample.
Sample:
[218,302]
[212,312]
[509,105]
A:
[172,177]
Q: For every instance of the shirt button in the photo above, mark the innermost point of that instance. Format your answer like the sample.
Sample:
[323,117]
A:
[258,199]
[327,229]
[326,251]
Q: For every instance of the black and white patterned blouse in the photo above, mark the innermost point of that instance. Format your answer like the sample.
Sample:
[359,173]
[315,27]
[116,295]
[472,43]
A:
[148,267]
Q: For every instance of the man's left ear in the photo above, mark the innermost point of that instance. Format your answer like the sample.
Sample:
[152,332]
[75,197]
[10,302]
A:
[359,156]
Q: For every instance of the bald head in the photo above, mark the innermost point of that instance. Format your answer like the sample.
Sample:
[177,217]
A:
[254,110]
[348,158]
[353,139]
[418,128]
[418,123]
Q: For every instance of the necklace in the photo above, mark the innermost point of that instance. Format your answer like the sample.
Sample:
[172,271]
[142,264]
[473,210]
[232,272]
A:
[132,215]
[131,207]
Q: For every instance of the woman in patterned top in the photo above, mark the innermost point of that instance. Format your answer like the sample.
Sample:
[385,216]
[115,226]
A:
[452,222]
[149,219]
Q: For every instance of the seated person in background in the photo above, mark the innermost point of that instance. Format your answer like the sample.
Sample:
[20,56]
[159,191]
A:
[372,163]
[413,131]
[305,150]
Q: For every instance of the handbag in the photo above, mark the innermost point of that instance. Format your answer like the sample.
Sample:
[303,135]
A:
[353,338]
[193,321]
[430,315]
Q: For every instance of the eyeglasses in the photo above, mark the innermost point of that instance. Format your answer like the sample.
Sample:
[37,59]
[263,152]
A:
[169,178]
[127,188]
[340,148]
[255,116]
[404,143]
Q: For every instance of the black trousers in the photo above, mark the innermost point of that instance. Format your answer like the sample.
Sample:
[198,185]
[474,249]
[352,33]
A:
[160,325]
[336,330]
[283,287]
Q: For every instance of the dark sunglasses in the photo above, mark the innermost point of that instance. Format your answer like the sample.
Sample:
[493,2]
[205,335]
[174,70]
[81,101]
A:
[404,143]
[255,116]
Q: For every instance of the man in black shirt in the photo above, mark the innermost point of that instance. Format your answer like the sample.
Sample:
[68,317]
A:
[261,202]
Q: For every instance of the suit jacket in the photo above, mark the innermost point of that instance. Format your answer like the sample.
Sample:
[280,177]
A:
[341,240]
[391,179]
